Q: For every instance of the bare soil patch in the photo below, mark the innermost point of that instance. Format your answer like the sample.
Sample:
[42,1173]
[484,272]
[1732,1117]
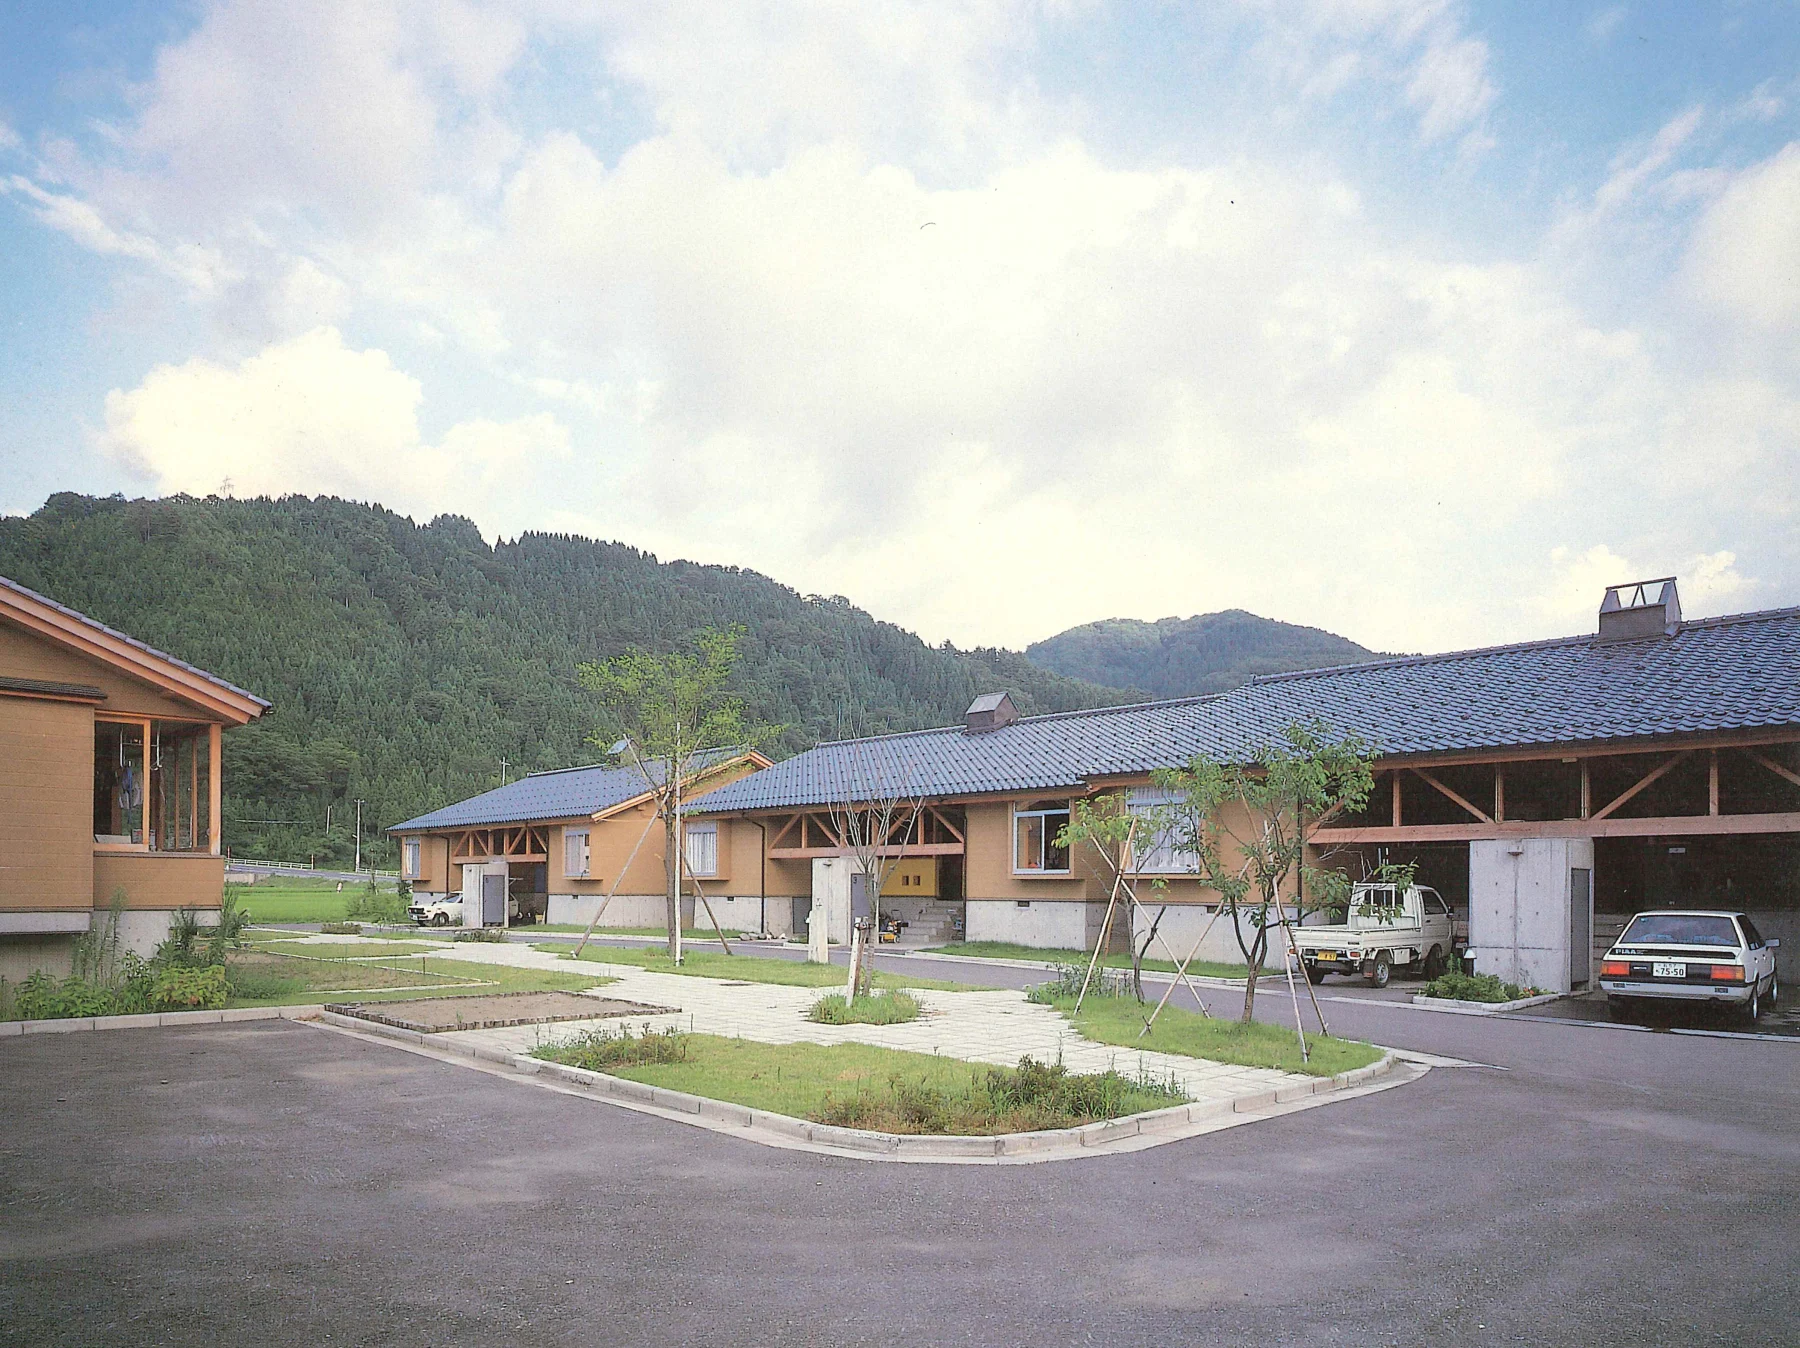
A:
[493,1011]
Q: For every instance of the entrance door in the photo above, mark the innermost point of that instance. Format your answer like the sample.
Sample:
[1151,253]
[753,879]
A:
[493,900]
[1581,926]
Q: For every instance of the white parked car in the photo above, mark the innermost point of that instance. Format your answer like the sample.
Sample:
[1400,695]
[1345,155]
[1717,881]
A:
[1691,956]
[437,913]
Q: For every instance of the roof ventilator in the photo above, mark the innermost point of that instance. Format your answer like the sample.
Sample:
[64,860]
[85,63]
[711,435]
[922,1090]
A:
[990,711]
[1640,609]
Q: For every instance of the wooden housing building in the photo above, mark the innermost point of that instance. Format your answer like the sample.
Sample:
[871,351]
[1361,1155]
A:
[110,782]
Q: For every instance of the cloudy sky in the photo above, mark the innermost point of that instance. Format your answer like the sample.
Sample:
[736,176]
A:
[1415,319]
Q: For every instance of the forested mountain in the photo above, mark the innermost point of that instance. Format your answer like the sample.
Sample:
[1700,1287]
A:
[406,661]
[1184,657]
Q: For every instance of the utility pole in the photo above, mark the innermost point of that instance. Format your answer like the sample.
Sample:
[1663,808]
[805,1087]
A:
[359,806]
[504,764]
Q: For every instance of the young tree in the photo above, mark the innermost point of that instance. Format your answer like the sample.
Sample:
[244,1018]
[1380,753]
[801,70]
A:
[871,807]
[663,712]
[1247,828]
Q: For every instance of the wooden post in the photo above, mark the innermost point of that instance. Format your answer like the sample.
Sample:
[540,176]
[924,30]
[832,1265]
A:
[1587,791]
[1712,782]
[1396,800]
[1499,793]
[215,788]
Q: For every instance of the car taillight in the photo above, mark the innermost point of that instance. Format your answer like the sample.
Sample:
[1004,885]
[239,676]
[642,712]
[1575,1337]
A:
[1728,973]
[1615,969]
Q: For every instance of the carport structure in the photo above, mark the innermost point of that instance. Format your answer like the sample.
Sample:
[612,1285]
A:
[1655,758]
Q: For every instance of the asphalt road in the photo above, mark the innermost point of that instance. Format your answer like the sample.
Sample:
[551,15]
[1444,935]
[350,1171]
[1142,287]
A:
[275,1183]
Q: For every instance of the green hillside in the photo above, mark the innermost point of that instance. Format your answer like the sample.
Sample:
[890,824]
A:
[1184,657]
[406,661]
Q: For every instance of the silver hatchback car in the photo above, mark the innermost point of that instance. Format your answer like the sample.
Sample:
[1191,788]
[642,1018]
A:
[1691,956]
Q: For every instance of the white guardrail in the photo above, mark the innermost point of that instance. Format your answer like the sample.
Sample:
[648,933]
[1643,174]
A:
[245,862]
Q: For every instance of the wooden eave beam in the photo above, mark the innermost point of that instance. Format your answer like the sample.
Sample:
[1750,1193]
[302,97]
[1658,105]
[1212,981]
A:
[161,673]
[1686,825]
[1655,775]
[1425,776]
[1778,769]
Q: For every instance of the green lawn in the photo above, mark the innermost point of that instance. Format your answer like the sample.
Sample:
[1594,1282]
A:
[748,968]
[387,950]
[863,1086]
[285,980]
[1006,950]
[284,899]
[1117,1020]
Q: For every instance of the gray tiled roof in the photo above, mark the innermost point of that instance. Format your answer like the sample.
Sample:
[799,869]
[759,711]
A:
[1715,674]
[129,640]
[568,793]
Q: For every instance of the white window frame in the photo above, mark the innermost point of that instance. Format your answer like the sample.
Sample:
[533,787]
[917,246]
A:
[412,852]
[708,835]
[572,837]
[1045,844]
[1157,856]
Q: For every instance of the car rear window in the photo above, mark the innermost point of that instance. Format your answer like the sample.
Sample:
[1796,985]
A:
[1681,929]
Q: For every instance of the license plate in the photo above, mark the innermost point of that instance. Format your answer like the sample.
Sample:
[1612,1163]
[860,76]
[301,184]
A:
[1668,970]
[1325,955]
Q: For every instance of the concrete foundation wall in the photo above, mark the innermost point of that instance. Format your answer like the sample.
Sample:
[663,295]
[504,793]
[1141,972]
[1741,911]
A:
[1519,915]
[1180,926]
[1045,923]
[625,910]
[745,912]
[22,956]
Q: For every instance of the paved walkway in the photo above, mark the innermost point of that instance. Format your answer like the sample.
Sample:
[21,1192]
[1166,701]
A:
[997,1026]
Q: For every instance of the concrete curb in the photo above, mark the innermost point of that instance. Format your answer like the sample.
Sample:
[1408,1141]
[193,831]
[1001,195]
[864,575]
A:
[1134,1132]
[1461,1008]
[158,1020]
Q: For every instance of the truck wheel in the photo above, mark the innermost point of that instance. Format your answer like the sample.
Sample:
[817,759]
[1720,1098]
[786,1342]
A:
[1383,970]
[1314,975]
[1434,962]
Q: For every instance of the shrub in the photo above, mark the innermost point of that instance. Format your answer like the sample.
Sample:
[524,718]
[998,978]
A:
[1068,980]
[480,934]
[887,1008]
[600,1048]
[1030,1096]
[341,928]
[372,903]
[178,989]
[1476,988]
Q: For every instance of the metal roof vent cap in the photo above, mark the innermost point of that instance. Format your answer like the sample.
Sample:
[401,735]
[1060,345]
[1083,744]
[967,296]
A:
[990,711]
[1640,609]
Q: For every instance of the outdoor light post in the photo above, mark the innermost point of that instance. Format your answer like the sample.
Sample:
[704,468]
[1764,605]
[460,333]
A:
[358,866]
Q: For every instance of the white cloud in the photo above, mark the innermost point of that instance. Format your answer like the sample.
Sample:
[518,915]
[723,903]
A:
[859,309]
[1569,600]
[311,415]
[1607,22]
[1745,257]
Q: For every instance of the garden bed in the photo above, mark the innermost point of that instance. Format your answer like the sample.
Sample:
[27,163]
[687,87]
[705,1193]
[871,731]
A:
[493,1011]
[861,1087]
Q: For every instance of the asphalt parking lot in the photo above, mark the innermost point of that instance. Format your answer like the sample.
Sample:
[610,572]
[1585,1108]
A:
[282,1184]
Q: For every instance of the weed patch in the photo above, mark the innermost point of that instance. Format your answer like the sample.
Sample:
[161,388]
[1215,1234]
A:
[884,1008]
[1476,988]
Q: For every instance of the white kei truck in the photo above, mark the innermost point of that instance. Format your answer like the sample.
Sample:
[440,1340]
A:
[1383,930]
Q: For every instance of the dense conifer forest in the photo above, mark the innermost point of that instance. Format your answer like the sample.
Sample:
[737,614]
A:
[407,662]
